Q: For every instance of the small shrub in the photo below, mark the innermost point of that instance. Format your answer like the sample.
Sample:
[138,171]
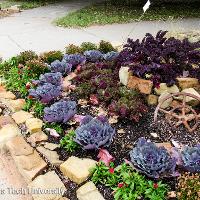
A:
[106,47]
[67,142]
[189,187]
[94,133]
[49,57]
[86,46]
[36,67]
[72,49]
[26,56]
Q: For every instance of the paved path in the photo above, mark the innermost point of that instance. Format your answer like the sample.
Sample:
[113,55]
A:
[33,29]
[12,184]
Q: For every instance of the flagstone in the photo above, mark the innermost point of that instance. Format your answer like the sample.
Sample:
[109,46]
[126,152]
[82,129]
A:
[34,125]
[21,116]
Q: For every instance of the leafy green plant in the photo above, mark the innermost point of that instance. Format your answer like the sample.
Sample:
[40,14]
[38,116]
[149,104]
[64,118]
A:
[38,109]
[72,49]
[25,56]
[86,46]
[68,143]
[106,47]
[54,126]
[189,187]
[156,191]
[49,57]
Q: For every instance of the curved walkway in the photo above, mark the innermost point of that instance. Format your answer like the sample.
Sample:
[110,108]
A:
[33,29]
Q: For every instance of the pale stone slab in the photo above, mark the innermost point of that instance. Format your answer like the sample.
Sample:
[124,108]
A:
[21,116]
[188,83]
[4,120]
[124,75]
[34,125]
[89,192]
[8,132]
[51,146]
[52,156]
[51,182]
[78,170]
[27,160]
[14,105]
[152,99]
[191,100]
[7,95]
[37,138]
[164,88]
[166,103]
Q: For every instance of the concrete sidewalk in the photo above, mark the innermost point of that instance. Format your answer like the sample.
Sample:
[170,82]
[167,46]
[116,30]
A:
[33,30]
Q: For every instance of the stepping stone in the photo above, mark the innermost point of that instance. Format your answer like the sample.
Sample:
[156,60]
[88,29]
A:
[51,146]
[7,95]
[8,132]
[27,160]
[34,125]
[21,116]
[4,120]
[78,170]
[37,138]
[48,182]
[14,105]
[89,192]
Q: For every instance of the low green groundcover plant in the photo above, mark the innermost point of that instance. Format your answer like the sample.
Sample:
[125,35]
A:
[127,183]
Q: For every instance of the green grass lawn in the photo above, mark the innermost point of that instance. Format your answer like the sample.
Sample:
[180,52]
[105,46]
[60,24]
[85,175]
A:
[102,13]
[26,4]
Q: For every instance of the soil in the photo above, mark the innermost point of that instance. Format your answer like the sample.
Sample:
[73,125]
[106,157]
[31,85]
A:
[124,142]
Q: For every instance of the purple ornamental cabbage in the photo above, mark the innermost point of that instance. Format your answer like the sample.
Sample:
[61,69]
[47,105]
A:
[93,55]
[94,133]
[45,93]
[110,56]
[61,111]
[53,78]
[60,66]
[191,158]
[152,160]
[74,59]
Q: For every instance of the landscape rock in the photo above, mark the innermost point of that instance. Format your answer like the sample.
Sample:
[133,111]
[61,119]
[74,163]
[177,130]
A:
[52,156]
[152,99]
[164,88]
[166,145]
[2,88]
[14,8]
[7,95]
[191,100]
[51,146]
[28,161]
[124,75]
[8,132]
[37,138]
[185,83]
[89,192]
[4,120]
[14,105]
[166,103]
[78,170]
[49,182]
[144,86]
[21,116]
[34,125]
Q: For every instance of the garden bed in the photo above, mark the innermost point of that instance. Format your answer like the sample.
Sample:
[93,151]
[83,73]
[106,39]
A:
[91,114]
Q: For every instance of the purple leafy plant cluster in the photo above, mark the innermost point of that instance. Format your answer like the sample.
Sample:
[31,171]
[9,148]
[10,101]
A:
[74,59]
[53,78]
[94,133]
[60,66]
[160,59]
[61,111]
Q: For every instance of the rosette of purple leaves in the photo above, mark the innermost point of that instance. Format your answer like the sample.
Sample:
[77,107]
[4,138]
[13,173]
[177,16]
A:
[152,160]
[61,111]
[94,133]
[60,66]
[74,59]
[110,56]
[93,55]
[191,158]
[53,78]
[161,59]
[45,93]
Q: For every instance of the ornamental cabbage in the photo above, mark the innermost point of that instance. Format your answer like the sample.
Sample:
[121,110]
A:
[191,158]
[60,66]
[74,59]
[152,160]
[53,78]
[61,111]
[93,55]
[110,56]
[94,133]
[45,93]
